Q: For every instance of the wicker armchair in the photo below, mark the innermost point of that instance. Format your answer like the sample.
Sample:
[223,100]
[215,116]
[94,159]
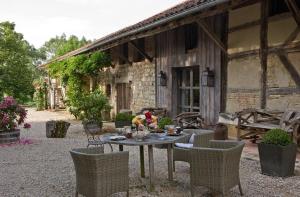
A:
[216,167]
[99,174]
[201,139]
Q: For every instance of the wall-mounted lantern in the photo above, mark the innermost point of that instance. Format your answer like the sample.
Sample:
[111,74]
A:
[163,78]
[208,78]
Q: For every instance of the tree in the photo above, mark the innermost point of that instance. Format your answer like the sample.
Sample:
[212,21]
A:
[18,60]
[61,45]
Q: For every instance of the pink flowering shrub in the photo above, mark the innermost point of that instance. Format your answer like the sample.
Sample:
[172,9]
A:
[11,114]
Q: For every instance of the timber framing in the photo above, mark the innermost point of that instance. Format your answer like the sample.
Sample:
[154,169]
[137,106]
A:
[212,35]
[264,52]
[141,51]
[121,56]
[257,22]
[291,48]
[289,67]
[293,7]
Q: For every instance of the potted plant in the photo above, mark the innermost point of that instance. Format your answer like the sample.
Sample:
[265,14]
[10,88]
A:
[12,115]
[57,129]
[164,121]
[277,153]
[123,119]
[91,107]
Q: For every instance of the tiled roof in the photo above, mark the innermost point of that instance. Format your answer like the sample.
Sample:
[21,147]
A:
[182,9]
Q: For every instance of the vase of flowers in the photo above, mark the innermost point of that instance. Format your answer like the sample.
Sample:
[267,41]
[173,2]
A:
[12,115]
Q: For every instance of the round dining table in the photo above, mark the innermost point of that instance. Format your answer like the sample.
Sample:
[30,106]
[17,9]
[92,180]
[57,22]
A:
[151,140]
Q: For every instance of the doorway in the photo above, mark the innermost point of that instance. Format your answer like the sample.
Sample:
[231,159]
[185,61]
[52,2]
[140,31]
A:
[123,96]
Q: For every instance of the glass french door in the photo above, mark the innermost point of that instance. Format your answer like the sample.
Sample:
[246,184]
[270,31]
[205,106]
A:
[189,89]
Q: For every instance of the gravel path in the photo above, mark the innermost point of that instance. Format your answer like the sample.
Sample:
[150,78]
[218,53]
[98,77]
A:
[45,168]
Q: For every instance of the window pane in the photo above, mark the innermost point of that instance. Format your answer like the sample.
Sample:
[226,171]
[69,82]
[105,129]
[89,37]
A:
[196,96]
[196,77]
[187,78]
[185,97]
[185,110]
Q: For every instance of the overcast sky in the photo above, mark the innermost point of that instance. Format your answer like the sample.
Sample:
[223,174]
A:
[40,20]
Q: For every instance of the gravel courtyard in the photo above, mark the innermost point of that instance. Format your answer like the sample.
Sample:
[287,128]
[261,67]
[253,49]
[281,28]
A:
[45,168]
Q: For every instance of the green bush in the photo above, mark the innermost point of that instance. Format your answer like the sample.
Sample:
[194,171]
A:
[277,137]
[90,106]
[124,117]
[164,121]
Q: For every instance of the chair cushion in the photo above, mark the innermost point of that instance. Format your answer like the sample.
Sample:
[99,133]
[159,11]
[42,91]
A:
[192,138]
[184,145]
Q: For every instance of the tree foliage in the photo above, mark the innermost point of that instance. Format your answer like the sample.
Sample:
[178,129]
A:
[61,45]
[18,60]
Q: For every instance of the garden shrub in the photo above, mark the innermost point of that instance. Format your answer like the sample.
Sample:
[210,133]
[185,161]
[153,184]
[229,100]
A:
[164,121]
[277,137]
[124,117]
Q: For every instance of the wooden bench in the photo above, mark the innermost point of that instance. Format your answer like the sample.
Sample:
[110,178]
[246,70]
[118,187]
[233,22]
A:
[190,120]
[257,122]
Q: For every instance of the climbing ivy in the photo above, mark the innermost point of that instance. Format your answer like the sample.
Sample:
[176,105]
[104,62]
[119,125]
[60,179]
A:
[73,70]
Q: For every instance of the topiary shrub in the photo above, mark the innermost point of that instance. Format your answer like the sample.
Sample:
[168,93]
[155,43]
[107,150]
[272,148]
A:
[164,121]
[277,137]
[124,117]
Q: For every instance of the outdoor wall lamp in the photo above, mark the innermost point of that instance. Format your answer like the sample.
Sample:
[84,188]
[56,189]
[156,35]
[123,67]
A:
[163,78]
[208,78]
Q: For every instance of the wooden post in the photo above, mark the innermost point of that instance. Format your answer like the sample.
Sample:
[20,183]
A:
[224,64]
[264,52]
[120,148]
[170,162]
[142,161]
[151,168]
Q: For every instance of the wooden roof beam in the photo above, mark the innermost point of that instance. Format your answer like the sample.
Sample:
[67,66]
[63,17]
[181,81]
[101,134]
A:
[141,51]
[212,35]
[293,7]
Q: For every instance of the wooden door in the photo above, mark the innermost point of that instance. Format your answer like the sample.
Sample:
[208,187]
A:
[123,96]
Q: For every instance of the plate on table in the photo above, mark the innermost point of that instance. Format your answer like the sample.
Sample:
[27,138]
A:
[117,138]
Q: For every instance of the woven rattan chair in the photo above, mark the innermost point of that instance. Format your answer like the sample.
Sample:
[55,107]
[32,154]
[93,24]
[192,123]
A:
[216,167]
[201,139]
[99,174]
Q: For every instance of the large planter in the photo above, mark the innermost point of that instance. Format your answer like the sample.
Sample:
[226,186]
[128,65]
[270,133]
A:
[122,123]
[221,132]
[277,160]
[56,129]
[92,127]
[9,136]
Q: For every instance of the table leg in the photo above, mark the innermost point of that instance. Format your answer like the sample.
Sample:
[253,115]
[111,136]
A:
[151,167]
[142,163]
[170,162]
[120,147]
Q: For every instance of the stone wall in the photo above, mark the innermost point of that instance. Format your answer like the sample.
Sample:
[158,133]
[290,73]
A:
[139,76]
[142,76]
